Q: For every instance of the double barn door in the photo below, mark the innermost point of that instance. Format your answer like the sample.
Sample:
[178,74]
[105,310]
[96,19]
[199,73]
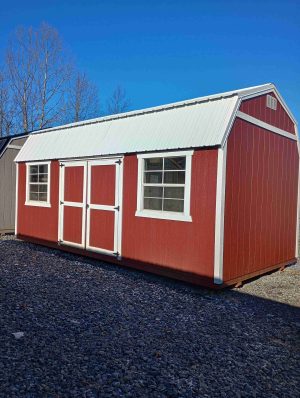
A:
[90,200]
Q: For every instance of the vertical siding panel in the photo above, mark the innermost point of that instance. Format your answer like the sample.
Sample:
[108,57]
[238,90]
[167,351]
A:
[277,202]
[261,243]
[238,196]
[262,210]
[247,265]
[245,210]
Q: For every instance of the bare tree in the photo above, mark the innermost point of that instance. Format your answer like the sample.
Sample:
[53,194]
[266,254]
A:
[38,70]
[118,102]
[83,100]
[6,111]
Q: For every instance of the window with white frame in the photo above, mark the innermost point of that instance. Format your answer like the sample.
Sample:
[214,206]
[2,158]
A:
[164,185]
[38,178]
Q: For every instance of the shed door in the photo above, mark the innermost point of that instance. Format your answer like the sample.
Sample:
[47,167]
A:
[73,203]
[103,206]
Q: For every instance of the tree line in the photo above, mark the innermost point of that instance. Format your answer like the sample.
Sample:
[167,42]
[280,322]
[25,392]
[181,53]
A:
[41,87]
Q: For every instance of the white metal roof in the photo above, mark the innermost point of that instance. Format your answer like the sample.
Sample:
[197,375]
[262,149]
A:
[200,122]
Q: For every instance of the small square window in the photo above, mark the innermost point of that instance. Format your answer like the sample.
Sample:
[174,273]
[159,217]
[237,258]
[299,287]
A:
[38,184]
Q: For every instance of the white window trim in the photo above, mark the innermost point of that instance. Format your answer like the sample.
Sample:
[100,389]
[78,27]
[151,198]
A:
[165,215]
[37,203]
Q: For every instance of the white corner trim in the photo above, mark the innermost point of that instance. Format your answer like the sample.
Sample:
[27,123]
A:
[264,125]
[219,222]
[17,199]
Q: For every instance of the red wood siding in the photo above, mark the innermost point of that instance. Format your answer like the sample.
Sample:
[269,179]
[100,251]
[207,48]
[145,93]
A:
[73,189]
[72,229]
[39,222]
[261,200]
[102,229]
[257,107]
[103,184]
[185,246]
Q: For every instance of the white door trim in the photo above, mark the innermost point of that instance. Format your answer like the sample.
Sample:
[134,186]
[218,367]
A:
[116,208]
[63,203]
[220,209]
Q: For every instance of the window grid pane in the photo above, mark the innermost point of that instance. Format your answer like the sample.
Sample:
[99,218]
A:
[38,182]
[164,184]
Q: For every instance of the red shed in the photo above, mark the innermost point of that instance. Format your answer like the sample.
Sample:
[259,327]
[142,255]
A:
[204,190]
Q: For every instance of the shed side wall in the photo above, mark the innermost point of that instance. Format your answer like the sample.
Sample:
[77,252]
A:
[256,107]
[185,246]
[39,222]
[261,200]
[7,190]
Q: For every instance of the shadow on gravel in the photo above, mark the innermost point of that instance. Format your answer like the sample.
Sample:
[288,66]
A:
[92,329]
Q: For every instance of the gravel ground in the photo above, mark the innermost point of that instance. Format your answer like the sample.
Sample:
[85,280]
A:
[74,327]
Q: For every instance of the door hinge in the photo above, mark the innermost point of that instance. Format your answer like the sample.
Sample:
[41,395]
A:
[119,161]
[61,203]
[117,208]
[87,205]
[61,165]
[117,254]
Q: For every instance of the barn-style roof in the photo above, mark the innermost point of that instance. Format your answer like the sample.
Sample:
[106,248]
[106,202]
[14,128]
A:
[5,140]
[199,122]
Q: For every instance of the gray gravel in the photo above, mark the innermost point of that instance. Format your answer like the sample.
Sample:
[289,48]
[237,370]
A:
[74,327]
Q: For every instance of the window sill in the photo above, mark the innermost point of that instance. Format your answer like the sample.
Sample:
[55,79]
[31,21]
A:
[163,215]
[37,204]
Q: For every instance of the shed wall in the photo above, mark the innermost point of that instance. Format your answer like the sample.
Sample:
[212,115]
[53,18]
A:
[8,186]
[183,246]
[7,190]
[261,200]
[34,221]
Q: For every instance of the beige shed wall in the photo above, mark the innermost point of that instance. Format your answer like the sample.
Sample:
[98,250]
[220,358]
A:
[8,186]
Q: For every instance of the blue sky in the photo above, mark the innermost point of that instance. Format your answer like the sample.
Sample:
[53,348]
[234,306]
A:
[166,51]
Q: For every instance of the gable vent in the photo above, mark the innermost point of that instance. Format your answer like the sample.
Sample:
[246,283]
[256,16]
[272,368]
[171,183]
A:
[271,102]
